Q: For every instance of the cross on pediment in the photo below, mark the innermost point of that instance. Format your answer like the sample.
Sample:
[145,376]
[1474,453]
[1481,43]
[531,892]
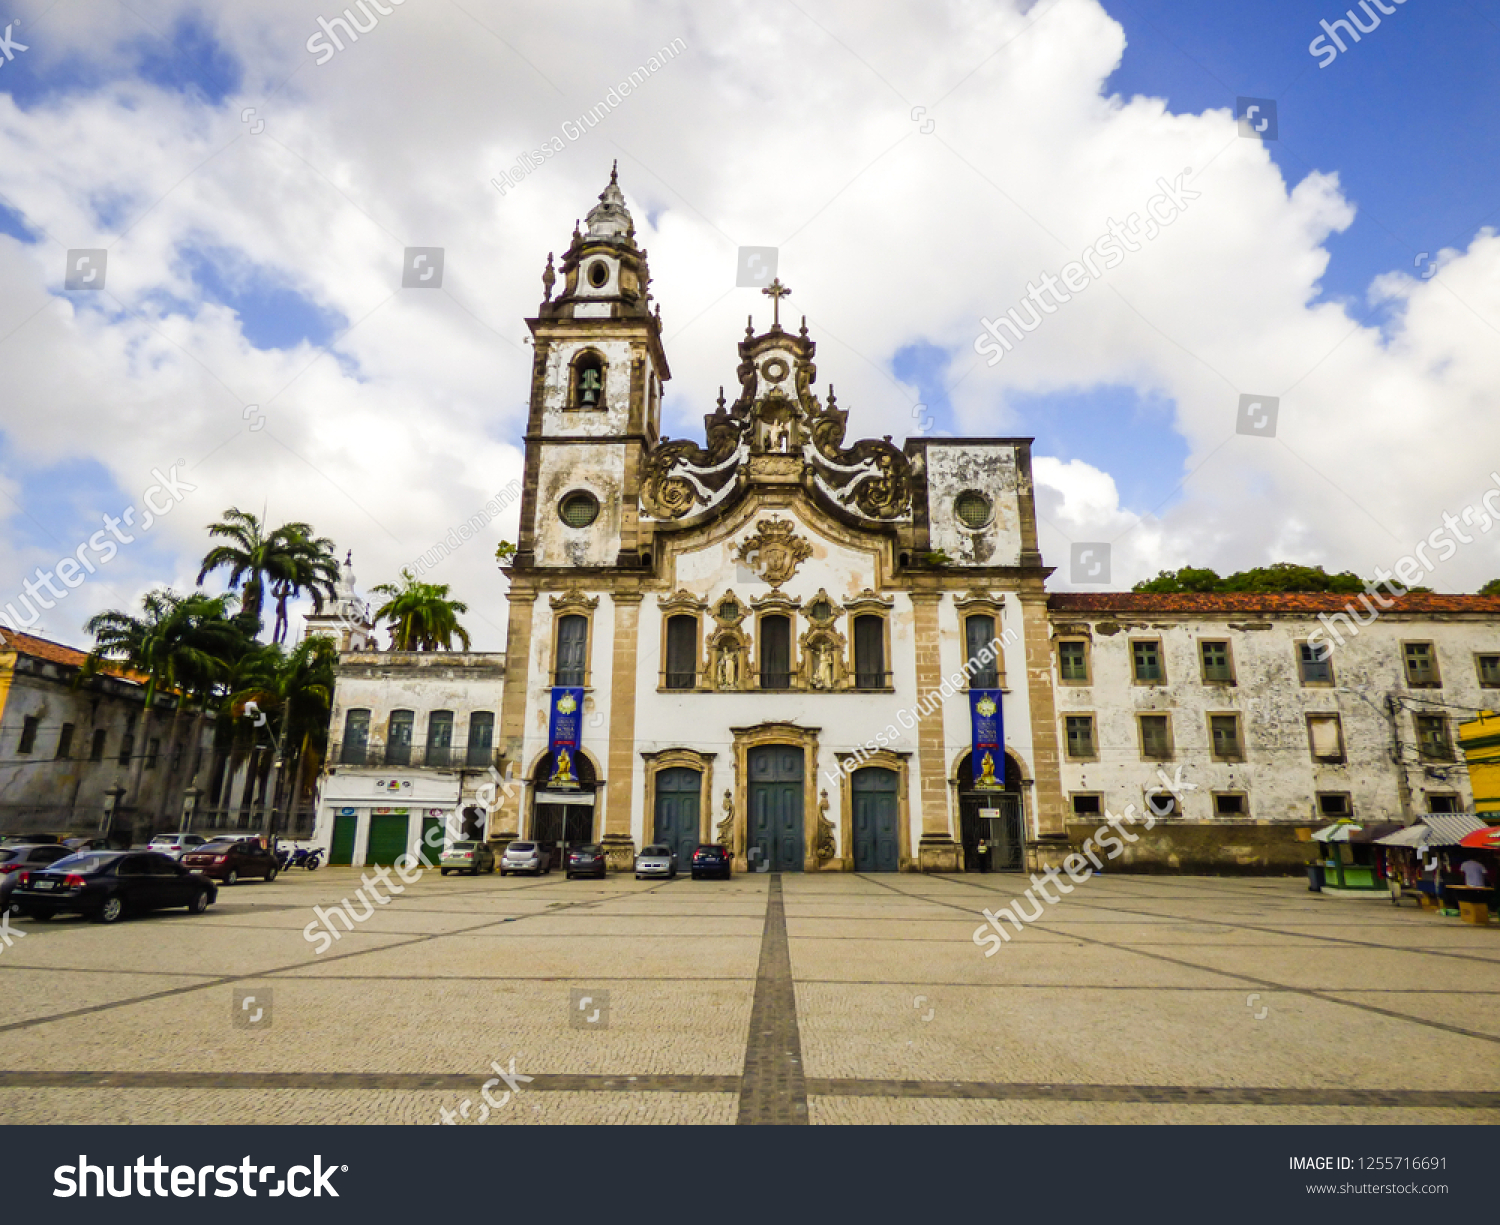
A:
[776,291]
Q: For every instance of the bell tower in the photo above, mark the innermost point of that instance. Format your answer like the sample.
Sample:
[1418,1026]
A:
[596,388]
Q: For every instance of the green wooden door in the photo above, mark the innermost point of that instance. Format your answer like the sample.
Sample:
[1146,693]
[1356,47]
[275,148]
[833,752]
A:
[432,844]
[678,793]
[388,837]
[345,826]
[877,848]
[775,817]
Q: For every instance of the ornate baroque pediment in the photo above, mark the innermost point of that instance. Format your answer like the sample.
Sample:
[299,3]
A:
[776,415]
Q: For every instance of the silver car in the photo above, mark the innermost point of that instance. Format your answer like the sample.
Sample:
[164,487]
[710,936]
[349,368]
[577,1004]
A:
[525,857]
[656,861]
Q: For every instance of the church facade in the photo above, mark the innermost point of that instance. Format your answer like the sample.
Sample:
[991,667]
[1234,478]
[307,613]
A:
[763,638]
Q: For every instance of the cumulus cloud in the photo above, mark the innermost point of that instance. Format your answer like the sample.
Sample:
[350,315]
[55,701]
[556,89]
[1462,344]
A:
[401,412]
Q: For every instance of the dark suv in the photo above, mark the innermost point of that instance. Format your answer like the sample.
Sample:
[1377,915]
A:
[228,860]
[711,859]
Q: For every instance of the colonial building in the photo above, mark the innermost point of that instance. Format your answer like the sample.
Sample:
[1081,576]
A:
[839,654]
[81,755]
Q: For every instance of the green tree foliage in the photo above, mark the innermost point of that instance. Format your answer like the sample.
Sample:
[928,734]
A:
[421,616]
[1491,588]
[282,563]
[1283,576]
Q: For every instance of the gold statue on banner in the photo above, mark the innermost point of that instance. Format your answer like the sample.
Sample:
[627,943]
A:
[562,775]
[987,772]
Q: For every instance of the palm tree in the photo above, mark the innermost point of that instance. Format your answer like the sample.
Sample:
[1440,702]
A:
[184,644]
[294,690]
[281,563]
[421,616]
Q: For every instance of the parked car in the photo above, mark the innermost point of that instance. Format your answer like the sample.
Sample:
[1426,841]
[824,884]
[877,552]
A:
[525,857]
[711,859]
[230,859]
[586,860]
[470,857]
[108,885]
[656,861]
[176,845]
[82,842]
[16,859]
[31,840]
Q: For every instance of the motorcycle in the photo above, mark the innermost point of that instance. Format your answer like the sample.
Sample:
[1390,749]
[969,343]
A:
[293,856]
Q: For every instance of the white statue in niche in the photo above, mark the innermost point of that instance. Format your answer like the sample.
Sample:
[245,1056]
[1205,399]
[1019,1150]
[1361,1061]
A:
[728,674]
[822,669]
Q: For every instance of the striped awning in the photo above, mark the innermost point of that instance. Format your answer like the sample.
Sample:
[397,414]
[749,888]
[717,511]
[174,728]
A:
[1435,829]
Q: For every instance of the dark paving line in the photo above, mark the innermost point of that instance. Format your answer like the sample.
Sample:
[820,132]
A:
[1325,996]
[226,979]
[909,984]
[773,1089]
[359,1080]
[1177,1095]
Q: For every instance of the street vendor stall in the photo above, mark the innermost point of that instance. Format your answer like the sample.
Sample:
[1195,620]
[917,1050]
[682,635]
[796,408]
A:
[1350,861]
[1416,856]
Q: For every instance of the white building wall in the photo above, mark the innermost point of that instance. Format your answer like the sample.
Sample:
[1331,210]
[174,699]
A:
[1279,775]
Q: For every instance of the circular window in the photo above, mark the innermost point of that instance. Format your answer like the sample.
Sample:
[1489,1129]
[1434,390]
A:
[972,509]
[775,370]
[598,274]
[579,509]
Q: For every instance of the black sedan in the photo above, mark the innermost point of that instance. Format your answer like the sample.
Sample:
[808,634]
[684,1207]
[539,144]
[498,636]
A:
[16,859]
[107,885]
[586,860]
[711,859]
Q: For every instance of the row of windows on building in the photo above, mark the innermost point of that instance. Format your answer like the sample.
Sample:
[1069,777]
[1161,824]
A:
[1325,737]
[683,660]
[1216,664]
[1327,805]
[31,729]
[402,749]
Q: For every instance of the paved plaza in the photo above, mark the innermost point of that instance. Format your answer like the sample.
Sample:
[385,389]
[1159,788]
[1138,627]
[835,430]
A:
[819,998]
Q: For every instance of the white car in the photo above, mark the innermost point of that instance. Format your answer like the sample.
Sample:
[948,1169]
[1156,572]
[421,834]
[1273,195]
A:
[176,845]
[656,861]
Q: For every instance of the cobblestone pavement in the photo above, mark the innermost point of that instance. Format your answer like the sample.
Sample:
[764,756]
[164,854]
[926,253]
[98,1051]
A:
[827,998]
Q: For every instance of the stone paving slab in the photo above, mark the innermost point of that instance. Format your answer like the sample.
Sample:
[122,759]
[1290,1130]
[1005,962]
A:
[1022,960]
[149,1107]
[1152,1036]
[28,994]
[930,1112]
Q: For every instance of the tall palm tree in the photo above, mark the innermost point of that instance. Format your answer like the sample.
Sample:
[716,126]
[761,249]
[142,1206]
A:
[421,616]
[294,690]
[281,563]
[184,644]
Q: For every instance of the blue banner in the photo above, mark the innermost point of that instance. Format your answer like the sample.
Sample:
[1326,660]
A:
[563,733]
[988,724]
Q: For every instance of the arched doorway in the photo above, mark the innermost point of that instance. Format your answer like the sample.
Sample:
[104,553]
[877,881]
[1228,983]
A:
[679,796]
[994,818]
[873,820]
[560,819]
[773,833]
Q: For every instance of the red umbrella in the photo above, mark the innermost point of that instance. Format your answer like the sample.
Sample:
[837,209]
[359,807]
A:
[1483,839]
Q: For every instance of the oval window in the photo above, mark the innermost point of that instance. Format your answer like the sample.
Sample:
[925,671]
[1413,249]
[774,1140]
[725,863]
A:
[972,509]
[598,274]
[579,509]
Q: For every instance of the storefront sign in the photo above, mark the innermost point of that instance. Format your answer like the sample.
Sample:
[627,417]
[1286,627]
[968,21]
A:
[564,731]
[395,785]
[988,725]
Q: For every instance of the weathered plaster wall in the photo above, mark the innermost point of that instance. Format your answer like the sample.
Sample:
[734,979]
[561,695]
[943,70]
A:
[989,468]
[598,468]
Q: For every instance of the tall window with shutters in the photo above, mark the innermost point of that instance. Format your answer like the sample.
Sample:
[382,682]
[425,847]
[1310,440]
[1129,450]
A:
[869,652]
[572,651]
[682,652]
[979,635]
[775,652]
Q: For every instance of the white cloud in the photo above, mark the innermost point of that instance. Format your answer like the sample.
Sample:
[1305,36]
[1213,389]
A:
[770,129]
